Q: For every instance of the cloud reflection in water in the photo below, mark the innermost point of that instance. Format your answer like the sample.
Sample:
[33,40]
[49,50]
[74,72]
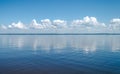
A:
[57,43]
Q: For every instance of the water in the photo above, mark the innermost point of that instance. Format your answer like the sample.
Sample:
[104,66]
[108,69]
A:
[59,54]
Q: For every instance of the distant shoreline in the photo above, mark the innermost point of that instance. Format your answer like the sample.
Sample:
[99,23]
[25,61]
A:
[59,33]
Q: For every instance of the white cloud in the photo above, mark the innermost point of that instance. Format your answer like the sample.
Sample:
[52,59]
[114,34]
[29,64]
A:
[116,20]
[35,25]
[115,24]
[60,23]
[47,24]
[44,24]
[18,25]
[87,24]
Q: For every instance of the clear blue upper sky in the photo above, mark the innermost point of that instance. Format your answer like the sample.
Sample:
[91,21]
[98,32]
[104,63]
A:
[26,10]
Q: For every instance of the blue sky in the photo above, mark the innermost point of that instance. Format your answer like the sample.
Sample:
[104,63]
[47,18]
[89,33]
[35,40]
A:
[26,10]
[60,16]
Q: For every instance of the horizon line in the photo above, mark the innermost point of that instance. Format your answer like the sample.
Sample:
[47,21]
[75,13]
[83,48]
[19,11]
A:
[59,33]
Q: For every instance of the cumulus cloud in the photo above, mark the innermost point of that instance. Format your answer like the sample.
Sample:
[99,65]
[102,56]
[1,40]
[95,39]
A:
[44,24]
[47,23]
[60,23]
[87,24]
[18,25]
[115,24]
[35,25]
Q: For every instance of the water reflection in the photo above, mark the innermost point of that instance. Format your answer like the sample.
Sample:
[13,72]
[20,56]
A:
[86,43]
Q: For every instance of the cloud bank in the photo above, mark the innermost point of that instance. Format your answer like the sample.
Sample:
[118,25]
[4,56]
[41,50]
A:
[85,25]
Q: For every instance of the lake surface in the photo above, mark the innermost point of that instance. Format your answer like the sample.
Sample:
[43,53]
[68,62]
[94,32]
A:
[59,54]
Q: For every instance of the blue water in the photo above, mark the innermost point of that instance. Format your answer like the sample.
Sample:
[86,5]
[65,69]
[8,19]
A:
[59,54]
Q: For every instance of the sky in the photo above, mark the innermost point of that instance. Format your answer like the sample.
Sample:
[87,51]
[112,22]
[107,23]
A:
[64,12]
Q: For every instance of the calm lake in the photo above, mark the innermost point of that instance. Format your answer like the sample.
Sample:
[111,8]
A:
[59,54]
